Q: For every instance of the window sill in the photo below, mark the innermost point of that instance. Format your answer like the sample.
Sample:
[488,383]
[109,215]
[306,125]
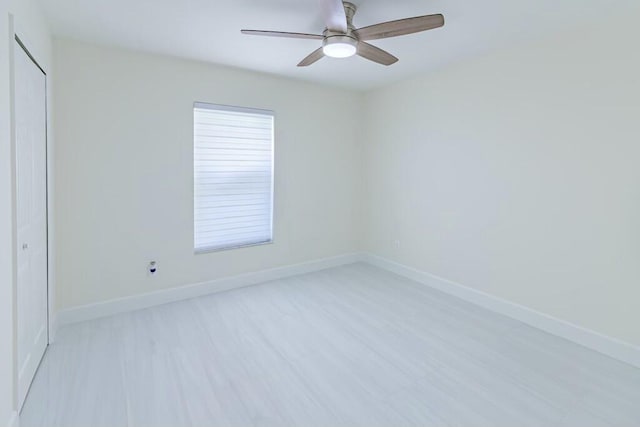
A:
[229,248]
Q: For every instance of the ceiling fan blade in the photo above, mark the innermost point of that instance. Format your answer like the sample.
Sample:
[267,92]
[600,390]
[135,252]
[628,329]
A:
[334,15]
[282,34]
[400,27]
[315,56]
[375,54]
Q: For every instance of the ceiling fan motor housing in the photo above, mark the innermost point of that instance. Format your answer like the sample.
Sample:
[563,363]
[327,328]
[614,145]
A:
[338,44]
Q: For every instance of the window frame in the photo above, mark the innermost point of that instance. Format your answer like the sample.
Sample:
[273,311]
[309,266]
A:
[232,108]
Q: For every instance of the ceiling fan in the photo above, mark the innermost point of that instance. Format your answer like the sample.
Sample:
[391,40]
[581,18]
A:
[341,39]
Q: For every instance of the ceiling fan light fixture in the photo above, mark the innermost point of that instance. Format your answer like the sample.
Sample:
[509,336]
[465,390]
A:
[339,46]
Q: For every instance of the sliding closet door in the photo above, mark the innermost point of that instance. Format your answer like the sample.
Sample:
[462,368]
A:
[31,217]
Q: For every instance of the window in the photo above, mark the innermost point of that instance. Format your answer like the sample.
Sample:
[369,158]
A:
[233,171]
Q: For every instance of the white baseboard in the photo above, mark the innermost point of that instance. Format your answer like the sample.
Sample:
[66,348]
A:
[137,302]
[609,346]
[14,421]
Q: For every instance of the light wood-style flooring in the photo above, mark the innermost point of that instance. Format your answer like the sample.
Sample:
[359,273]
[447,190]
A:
[348,346]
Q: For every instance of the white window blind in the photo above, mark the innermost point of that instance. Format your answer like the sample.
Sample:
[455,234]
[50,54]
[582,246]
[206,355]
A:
[233,167]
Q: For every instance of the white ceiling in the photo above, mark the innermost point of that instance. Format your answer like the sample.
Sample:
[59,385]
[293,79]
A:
[209,30]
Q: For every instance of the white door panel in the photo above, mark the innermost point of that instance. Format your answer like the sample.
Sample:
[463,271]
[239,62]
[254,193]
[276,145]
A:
[31,217]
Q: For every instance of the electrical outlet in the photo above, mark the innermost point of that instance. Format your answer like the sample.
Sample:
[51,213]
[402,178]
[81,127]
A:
[152,268]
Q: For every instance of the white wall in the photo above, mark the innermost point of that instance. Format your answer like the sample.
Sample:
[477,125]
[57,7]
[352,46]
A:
[517,174]
[124,171]
[6,249]
[30,26]
[514,174]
